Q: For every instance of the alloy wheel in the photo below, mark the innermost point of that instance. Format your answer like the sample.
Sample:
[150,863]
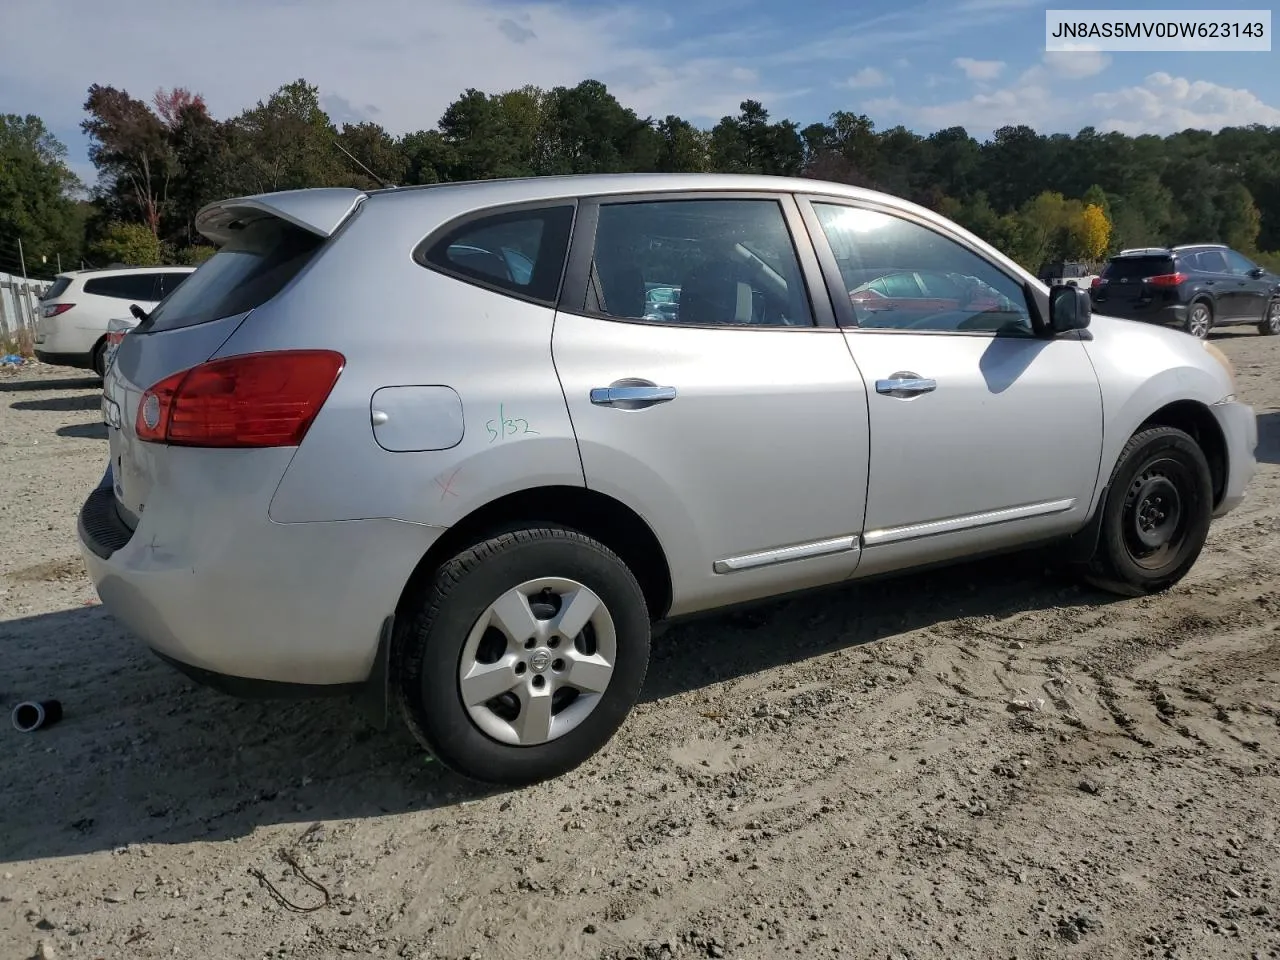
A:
[537,661]
[1198,321]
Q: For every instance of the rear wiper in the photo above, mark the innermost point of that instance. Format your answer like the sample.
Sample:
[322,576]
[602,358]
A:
[138,313]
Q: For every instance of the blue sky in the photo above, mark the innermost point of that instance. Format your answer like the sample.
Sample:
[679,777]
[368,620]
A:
[926,64]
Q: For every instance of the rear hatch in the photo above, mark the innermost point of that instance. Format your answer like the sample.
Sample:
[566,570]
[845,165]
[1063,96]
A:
[1125,286]
[265,242]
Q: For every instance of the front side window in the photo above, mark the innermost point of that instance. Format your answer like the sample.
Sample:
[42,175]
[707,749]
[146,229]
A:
[706,263]
[521,251]
[900,275]
[1240,264]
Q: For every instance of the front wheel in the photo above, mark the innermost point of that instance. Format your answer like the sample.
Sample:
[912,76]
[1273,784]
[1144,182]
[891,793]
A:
[1270,325]
[1156,516]
[525,656]
[1199,320]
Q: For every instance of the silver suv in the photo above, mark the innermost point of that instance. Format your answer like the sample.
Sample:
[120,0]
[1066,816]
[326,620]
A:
[583,405]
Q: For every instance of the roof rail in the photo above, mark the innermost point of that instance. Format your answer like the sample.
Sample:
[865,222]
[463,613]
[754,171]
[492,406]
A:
[1143,250]
[1201,246]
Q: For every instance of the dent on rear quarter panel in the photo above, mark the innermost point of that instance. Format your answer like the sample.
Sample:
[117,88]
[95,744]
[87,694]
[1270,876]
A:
[1142,369]
[399,324]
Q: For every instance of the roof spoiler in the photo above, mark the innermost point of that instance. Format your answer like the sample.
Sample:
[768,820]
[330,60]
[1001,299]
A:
[318,210]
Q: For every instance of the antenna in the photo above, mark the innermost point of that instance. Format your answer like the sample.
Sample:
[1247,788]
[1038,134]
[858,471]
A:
[373,176]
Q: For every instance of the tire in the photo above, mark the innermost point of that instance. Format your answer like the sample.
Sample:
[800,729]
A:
[1160,472]
[1270,325]
[500,740]
[1199,320]
[99,360]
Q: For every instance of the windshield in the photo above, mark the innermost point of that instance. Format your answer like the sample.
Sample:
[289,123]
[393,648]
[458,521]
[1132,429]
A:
[245,273]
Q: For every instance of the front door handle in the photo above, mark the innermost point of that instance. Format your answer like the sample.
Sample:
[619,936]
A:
[905,385]
[631,395]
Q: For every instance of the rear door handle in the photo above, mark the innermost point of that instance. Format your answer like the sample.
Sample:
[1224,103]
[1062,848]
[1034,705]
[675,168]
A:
[631,396]
[905,385]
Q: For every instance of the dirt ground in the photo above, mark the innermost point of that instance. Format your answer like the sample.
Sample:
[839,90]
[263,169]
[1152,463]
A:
[845,775]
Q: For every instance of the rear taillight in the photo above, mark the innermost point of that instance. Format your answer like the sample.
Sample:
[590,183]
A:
[1096,283]
[1166,280]
[255,400]
[54,309]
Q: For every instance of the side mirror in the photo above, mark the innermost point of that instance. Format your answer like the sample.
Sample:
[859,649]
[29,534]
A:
[1070,308]
[1257,273]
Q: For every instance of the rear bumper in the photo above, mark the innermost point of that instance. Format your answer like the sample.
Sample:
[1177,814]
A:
[82,361]
[240,601]
[1174,314]
[1240,428]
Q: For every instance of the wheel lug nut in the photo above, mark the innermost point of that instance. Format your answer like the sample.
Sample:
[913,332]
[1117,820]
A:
[557,665]
[553,642]
[521,668]
[539,681]
[529,644]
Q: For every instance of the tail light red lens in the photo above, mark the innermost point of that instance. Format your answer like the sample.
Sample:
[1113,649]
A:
[1096,283]
[1167,280]
[255,400]
[55,309]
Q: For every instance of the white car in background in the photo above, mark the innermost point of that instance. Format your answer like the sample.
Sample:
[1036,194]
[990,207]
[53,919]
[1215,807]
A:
[75,310]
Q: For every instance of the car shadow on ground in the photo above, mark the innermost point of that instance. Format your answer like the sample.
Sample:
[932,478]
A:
[84,431]
[142,755]
[1268,437]
[40,383]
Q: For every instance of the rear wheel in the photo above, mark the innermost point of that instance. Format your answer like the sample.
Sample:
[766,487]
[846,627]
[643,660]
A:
[1199,320]
[525,656]
[1270,325]
[99,359]
[1156,516]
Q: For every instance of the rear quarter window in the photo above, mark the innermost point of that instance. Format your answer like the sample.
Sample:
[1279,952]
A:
[244,274]
[519,252]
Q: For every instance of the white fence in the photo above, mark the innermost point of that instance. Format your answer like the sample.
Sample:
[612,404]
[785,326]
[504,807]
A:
[19,305]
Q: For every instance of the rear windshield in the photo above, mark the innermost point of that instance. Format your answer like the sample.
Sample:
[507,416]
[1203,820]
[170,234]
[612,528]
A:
[1136,268]
[57,288]
[245,273]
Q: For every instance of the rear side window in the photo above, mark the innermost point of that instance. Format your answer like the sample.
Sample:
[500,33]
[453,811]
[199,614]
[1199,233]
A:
[1212,261]
[245,273]
[518,251]
[57,288]
[1138,268]
[138,287]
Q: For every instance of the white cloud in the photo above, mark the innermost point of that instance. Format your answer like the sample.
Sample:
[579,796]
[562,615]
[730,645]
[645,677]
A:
[979,69]
[1162,104]
[1077,64]
[867,77]
[902,63]
[1167,104]
[409,58]
[988,111]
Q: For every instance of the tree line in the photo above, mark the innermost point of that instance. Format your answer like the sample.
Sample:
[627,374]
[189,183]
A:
[1037,197]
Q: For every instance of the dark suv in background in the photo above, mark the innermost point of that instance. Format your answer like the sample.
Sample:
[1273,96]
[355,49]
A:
[1196,286]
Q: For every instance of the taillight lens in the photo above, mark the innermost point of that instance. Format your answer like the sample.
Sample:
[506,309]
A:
[255,400]
[54,309]
[1096,283]
[1167,280]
